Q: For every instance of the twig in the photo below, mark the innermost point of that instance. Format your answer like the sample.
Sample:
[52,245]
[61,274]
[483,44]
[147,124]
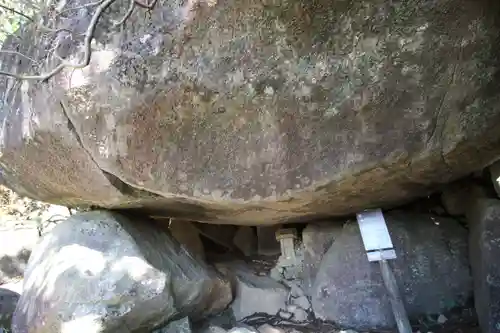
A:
[89,35]
[58,56]
[16,12]
[146,5]
[127,15]
[46,29]
[19,54]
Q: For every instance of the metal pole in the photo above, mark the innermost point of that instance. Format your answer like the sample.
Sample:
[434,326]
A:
[396,302]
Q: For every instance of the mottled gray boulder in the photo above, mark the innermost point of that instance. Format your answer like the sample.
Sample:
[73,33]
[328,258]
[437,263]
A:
[178,326]
[432,271]
[213,329]
[254,293]
[457,197]
[254,111]
[102,272]
[8,302]
[484,221]
[188,236]
[316,240]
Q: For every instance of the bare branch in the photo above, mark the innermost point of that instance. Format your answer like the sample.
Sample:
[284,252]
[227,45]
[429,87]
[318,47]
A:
[19,54]
[127,15]
[89,35]
[58,56]
[47,29]
[102,5]
[16,12]
[146,5]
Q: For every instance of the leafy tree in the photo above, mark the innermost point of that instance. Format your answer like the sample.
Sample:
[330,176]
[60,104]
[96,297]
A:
[14,13]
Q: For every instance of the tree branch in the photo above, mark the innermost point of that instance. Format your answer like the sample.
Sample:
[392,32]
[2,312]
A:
[146,5]
[16,12]
[46,29]
[89,35]
[19,54]
[127,15]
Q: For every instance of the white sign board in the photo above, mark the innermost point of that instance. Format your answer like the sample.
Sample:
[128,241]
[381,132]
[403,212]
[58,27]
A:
[375,234]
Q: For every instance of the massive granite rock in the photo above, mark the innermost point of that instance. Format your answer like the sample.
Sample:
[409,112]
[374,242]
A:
[253,111]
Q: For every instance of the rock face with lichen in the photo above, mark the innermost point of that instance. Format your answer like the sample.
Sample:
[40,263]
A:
[254,111]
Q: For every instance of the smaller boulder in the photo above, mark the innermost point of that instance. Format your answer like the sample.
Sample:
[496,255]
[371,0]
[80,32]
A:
[266,328]
[484,247]
[178,326]
[213,329]
[431,269]
[298,314]
[295,287]
[253,293]
[243,329]
[15,286]
[188,236]
[302,301]
[456,197]
[8,302]
[316,239]
[103,272]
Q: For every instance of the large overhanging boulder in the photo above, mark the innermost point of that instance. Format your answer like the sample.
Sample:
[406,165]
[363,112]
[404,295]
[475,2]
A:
[254,111]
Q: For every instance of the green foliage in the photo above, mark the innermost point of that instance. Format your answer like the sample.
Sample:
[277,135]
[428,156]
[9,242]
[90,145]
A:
[12,15]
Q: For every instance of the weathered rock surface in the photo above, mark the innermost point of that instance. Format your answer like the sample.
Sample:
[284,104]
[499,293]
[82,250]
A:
[253,293]
[298,314]
[213,329]
[178,326]
[484,221]
[302,302]
[104,272]
[432,271]
[457,197]
[243,329]
[254,112]
[266,328]
[316,240]
[8,302]
[188,236]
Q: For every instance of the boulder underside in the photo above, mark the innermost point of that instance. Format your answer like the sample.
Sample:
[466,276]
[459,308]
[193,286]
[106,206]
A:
[256,111]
